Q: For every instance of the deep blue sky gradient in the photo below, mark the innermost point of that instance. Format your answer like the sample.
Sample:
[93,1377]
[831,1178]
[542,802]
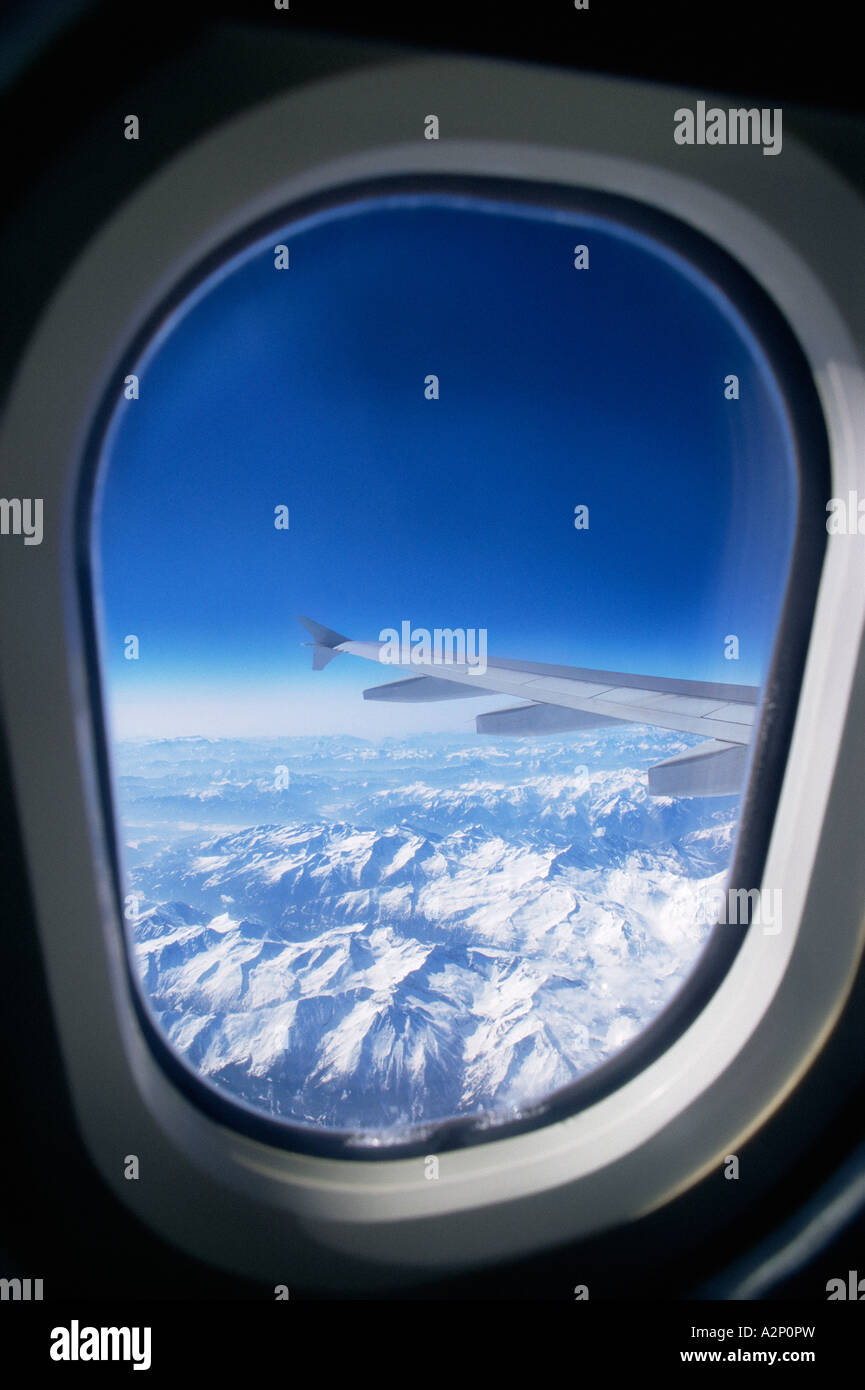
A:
[558,387]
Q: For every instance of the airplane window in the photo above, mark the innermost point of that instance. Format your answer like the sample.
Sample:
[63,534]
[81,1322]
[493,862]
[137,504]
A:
[439,539]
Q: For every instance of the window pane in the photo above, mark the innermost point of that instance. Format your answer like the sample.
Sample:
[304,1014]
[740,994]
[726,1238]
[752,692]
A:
[430,414]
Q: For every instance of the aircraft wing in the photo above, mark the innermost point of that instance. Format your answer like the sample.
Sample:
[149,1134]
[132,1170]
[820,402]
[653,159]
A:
[557,699]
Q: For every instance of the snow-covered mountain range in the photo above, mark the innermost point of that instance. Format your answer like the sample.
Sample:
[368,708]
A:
[365,937]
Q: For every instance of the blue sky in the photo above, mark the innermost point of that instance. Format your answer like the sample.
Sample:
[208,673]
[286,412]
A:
[558,387]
